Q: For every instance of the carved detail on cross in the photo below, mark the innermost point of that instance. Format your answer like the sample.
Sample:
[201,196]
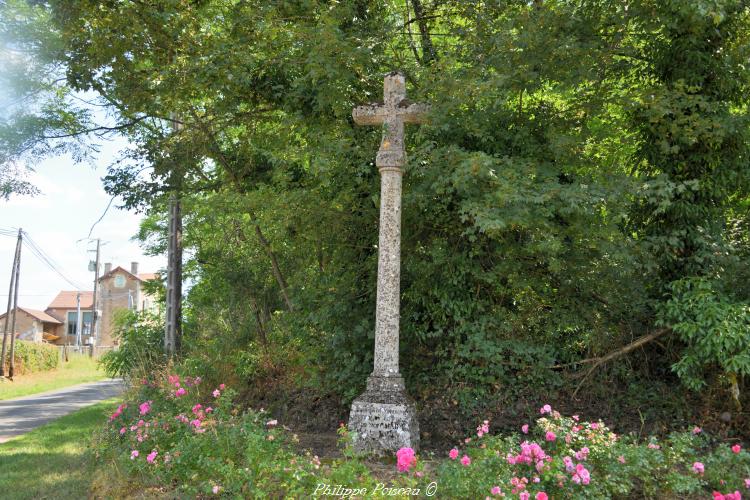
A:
[393,113]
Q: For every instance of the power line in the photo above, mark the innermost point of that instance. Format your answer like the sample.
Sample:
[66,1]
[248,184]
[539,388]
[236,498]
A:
[42,256]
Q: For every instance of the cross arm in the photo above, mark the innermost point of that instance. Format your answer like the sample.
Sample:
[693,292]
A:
[369,114]
[413,112]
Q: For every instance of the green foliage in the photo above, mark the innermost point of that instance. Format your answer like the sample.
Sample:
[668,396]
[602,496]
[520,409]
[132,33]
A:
[580,157]
[141,347]
[715,330]
[30,357]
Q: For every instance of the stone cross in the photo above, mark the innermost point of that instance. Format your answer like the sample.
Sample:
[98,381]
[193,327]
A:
[383,418]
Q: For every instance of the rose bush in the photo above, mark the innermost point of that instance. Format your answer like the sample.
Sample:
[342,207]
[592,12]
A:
[175,434]
[565,457]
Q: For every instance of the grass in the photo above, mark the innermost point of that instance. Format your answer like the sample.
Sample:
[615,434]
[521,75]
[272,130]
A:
[78,370]
[51,461]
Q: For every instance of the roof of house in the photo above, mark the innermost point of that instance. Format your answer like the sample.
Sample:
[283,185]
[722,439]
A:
[67,300]
[139,276]
[40,315]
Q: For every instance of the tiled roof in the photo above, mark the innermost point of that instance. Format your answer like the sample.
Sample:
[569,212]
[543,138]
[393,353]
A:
[41,315]
[67,300]
[140,276]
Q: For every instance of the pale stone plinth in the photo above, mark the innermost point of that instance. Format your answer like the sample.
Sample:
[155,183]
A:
[383,418]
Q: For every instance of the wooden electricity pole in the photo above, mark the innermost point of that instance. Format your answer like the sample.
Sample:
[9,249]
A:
[12,307]
[173,330]
[95,305]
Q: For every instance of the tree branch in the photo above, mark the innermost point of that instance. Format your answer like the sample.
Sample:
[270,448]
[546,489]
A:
[619,352]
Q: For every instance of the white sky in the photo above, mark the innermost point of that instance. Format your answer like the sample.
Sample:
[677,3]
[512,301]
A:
[72,199]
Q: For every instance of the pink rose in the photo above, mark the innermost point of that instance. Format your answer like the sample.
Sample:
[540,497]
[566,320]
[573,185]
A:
[736,448]
[216,393]
[180,392]
[453,454]
[550,436]
[134,454]
[465,461]
[496,490]
[697,430]
[545,409]
[405,459]
[151,457]
[541,496]
[698,468]
[525,428]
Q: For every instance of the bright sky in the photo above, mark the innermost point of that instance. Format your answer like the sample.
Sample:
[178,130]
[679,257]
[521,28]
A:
[72,199]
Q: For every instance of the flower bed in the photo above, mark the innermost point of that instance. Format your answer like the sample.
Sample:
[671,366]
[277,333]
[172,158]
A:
[565,457]
[177,435]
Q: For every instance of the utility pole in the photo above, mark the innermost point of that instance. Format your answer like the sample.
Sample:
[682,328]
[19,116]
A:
[173,330]
[79,321]
[95,314]
[173,323]
[12,306]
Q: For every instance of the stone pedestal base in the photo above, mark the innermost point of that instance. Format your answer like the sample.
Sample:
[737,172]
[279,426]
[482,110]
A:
[383,418]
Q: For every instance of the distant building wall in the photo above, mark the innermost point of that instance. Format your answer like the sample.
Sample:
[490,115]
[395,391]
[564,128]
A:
[119,291]
[27,326]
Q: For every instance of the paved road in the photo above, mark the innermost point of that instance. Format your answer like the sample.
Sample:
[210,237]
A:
[20,415]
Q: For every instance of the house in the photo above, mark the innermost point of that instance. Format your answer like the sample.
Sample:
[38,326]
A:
[33,325]
[64,308]
[121,289]
[118,289]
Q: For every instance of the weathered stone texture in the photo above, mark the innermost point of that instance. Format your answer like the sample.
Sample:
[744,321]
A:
[383,418]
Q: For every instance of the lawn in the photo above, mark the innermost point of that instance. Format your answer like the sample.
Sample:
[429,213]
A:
[50,462]
[78,370]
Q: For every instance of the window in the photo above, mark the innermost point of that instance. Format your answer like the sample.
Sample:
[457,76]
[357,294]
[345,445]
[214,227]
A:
[88,319]
[119,281]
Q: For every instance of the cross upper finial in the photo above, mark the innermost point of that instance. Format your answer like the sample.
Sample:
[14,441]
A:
[392,114]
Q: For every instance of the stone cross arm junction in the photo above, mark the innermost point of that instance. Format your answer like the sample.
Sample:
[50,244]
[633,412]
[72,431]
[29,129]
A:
[393,113]
[377,113]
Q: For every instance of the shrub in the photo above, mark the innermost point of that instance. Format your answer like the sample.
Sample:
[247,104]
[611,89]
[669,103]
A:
[35,357]
[141,348]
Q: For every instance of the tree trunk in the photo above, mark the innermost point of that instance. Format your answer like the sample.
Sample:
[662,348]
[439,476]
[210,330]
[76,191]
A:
[428,50]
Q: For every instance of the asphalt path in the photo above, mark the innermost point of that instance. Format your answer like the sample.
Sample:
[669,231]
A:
[19,416]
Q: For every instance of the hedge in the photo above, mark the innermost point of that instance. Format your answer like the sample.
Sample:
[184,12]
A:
[35,357]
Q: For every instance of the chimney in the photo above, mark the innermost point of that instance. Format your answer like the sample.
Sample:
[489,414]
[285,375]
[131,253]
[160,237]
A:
[134,268]
[107,267]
